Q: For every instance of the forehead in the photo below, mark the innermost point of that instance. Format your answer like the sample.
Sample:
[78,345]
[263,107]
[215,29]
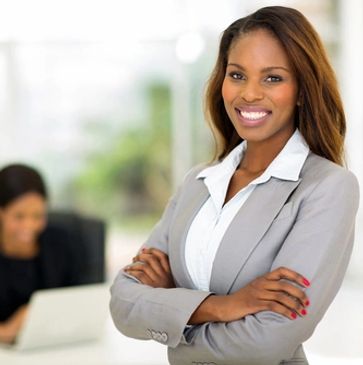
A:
[28,201]
[258,49]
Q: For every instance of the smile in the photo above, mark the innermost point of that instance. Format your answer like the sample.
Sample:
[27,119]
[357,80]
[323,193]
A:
[252,115]
[253,118]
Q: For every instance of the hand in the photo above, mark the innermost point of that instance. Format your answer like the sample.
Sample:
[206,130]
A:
[274,292]
[10,328]
[6,334]
[151,266]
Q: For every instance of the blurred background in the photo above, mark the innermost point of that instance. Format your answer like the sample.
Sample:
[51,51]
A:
[106,99]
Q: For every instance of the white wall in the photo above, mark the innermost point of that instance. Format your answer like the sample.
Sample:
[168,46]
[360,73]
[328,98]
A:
[351,80]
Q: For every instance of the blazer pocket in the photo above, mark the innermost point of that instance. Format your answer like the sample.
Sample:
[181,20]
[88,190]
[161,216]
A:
[285,211]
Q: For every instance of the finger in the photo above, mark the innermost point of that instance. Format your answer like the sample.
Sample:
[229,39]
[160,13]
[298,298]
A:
[290,289]
[163,258]
[144,267]
[140,275]
[290,303]
[153,261]
[280,309]
[285,273]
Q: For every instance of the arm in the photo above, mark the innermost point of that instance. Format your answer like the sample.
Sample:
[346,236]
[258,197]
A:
[138,310]
[275,291]
[178,307]
[10,328]
[279,291]
[318,246]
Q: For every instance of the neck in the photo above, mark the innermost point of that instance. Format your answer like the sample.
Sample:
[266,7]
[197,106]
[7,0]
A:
[259,155]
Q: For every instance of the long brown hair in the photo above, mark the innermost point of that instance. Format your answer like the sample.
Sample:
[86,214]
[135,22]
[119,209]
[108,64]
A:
[319,116]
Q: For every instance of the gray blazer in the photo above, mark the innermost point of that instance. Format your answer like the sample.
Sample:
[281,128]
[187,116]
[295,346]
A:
[307,226]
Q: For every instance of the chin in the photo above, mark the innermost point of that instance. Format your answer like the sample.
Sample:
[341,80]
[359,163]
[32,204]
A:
[253,135]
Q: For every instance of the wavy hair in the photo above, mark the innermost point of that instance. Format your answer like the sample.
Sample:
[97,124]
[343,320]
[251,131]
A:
[319,116]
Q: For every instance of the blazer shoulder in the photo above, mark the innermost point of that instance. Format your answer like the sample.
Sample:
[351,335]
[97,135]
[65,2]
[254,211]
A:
[194,171]
[322,168]
[321,172]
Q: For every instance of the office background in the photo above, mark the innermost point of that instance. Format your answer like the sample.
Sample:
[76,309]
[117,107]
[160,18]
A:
[105,98]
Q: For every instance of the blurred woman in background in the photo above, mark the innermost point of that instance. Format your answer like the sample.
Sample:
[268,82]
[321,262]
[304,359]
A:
[32,257]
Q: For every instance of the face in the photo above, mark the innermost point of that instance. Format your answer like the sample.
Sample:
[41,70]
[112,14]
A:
[259,88]
[23,219]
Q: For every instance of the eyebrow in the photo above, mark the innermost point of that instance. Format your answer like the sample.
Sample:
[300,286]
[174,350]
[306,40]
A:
[265,69]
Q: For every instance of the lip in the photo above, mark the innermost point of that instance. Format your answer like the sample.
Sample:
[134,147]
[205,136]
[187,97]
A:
[254,120]
[25,237]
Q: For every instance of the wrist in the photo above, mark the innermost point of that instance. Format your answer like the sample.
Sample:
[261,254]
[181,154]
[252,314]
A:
[219,307]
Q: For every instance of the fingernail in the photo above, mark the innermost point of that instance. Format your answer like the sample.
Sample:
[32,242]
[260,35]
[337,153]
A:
[143,250]
[304,312]
[306,282]
[307,302]
[293,315]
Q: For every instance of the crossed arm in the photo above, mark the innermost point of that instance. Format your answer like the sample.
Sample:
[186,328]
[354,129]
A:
[273,291]
[255,324]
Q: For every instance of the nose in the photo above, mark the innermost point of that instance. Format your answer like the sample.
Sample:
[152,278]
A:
[251,92]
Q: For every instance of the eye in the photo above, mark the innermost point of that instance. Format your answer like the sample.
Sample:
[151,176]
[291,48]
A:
[19,216]
[236,75]
[273,78]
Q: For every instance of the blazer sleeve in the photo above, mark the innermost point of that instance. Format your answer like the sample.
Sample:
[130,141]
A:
[318,246]
[144,312]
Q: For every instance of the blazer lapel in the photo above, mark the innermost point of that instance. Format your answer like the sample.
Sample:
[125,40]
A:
[190,205]
[246,230]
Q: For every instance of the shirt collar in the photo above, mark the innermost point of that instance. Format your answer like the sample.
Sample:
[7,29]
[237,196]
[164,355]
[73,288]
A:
[287,164]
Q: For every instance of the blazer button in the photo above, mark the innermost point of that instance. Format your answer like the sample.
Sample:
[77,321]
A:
[158,336]
[164,337]
[153,334]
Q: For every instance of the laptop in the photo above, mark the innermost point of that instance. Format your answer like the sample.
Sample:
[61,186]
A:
[64,316]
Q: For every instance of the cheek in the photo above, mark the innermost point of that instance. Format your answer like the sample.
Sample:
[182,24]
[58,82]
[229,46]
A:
[42,224]
[286,97]
[227,92]
[10,225]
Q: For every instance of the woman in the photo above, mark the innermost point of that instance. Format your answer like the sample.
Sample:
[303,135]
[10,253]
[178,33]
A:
[31,258]
[251,250]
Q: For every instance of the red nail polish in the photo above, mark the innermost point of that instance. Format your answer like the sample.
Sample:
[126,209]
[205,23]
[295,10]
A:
[307,302]
[306,282]
[304,312]
[293,315]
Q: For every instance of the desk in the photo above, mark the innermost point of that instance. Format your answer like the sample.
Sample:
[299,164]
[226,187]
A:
[338,340]
[112,349]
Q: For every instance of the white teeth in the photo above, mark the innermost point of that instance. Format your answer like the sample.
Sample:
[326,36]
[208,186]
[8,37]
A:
[252,115]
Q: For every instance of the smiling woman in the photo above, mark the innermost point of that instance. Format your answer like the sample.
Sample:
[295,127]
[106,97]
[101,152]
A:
[257,94]
[31,256]
[253,247]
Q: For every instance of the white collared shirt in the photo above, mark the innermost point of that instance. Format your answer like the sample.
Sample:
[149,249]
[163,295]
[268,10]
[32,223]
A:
[211,222]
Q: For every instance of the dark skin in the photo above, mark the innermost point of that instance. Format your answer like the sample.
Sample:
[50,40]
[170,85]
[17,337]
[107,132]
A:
[266,293]
[21,222]
[258,84]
